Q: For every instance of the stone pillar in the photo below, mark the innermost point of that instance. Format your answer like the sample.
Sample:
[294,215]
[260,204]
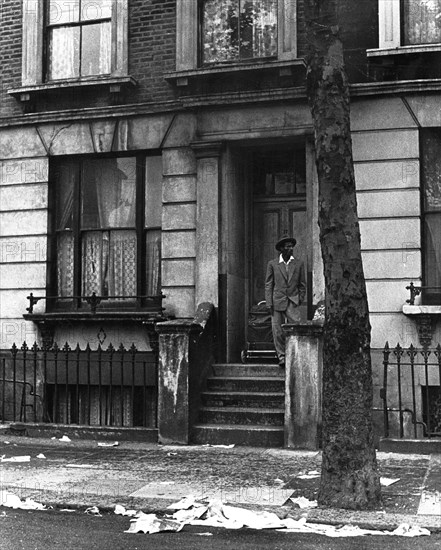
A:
[207,230]
[175,339]
[303,387]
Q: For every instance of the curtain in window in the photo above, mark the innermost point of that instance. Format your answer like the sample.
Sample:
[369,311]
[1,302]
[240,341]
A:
[95,261]
[122,263]
[64,43]
[153,262]
[258,28]
[220,36]
[65,179]
[422,21]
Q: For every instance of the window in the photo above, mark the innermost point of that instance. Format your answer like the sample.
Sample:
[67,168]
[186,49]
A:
[228,31]
[431,205]
[233,30]
[409,23]
[104,242]
[74,40]
[79,41]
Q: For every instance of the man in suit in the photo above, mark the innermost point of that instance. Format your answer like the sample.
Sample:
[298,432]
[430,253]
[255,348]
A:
[285,290]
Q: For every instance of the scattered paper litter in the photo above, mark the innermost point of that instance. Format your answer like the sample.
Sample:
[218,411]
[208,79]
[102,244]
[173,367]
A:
[386,481]
[219,446]
[26,458]
[184,504]
[166,483]
[67,510]
[172,454]
[303,502]
[186,516]
[277,480]
[121,511]
[10,500]
[150,523]
[206,534]
[41,455]
[106,444]
[93,511]
[310,475]
[64,438]
[3,514]
[301,526]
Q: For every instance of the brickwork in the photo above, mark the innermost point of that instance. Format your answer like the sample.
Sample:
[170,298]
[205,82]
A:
[10,55]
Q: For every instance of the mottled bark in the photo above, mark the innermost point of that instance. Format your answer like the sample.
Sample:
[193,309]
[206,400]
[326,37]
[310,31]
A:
[349,472]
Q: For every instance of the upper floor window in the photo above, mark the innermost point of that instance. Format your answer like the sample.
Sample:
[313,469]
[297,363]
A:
[421,22]
[431,214]
[233,30]
[79,38]
[74,40]
[104,241]
[409,23]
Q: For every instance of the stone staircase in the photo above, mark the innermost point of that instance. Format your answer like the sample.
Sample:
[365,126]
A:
[243,404]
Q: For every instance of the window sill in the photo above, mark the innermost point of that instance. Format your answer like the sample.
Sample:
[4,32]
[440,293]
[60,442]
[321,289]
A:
[115,84]
[421,310]
[99,316]
[403,50]
[285,68]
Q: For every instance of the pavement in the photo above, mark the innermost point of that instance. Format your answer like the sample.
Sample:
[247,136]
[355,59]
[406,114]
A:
[146,476]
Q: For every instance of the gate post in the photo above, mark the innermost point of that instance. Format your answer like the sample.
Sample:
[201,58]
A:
[175,339]
[303,384]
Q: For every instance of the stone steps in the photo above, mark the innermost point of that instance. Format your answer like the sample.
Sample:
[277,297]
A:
[243,404]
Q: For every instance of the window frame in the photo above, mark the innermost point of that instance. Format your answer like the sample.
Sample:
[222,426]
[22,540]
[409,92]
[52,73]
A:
[141,227]
[81,25]
[34,55]
[188,36]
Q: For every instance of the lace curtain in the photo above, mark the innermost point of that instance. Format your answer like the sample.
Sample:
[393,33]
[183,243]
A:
[422,21]
[239,29]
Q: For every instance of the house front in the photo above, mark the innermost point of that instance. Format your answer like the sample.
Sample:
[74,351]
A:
[151,155]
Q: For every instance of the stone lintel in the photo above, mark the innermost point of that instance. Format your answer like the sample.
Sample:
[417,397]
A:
[178,326]
[207,149]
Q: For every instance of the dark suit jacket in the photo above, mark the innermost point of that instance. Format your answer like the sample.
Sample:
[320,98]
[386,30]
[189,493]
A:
[281,286]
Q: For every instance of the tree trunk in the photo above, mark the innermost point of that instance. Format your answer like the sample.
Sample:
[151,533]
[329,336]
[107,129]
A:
[349,476]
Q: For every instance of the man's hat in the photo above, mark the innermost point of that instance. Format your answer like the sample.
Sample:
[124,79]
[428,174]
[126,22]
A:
[280,243]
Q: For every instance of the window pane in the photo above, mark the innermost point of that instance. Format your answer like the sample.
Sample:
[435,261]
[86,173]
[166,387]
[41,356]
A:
[258,28]
[431,153]
[96,49]
[432,226]
[64,180]
[64,11]
[220,33]
[109,263]
[422,21]
[64,44]
[153,192]
[96,9]
[108,193]
[65,261]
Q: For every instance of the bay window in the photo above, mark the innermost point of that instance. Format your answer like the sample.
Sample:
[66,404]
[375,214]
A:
[107,234]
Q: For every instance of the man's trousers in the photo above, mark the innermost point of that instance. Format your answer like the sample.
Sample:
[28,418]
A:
[290,315]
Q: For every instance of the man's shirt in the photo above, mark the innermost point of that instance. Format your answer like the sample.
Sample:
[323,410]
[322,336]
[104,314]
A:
[281,260]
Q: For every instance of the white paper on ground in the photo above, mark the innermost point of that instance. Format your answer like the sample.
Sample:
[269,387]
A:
[93,511]
[106,444]
[10,500]
[303,502]
[26,458]
[121,511]
[149,523]
[41,455]
[64,438]
[386,481]
[219,446]
[184,504]
[310,475]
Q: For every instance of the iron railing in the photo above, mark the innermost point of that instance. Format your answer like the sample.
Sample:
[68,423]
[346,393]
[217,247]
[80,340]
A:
[102,387]
[412,391]
[417,290]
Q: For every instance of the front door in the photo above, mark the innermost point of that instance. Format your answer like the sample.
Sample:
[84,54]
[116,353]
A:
[278,191]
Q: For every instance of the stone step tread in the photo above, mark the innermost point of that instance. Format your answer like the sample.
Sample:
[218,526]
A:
[214,393]
[247,378]
[238,427]
[242,365]
[244,410]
